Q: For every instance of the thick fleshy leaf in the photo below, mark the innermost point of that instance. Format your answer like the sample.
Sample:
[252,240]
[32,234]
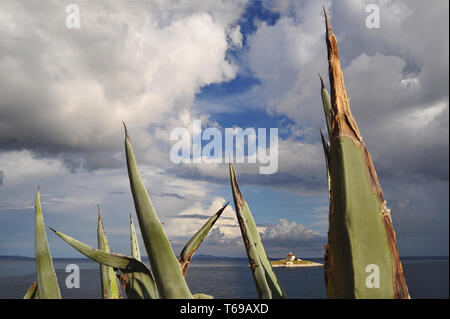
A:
[203,296]
[46,277]
[110,286]
[193,244]
[32,292]
[126,264]
[165,267]
[326,102]
[326,152]
[266,281]
[361,239]
[135,251]
[136,285]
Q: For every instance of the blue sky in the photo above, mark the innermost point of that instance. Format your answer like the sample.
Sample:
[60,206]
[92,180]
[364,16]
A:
[250,64]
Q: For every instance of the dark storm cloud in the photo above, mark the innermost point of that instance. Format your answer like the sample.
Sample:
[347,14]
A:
[293,181]
[198,216]
[172,195]
[397,80]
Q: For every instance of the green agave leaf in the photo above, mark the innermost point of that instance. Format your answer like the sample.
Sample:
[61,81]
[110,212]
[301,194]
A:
[328,111]
[326,102]
[136,285]
[110,286]
[361,235]
[126,264]
[165,267]
[266,282]
[32,292]
[135,252]
[203,296]
[326,152]
[46,277]
[191,247]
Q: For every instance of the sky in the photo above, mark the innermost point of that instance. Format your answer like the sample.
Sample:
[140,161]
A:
[160,65]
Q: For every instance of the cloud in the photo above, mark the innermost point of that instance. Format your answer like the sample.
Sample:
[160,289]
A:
[400,126]
[394,76]
[278,239]
[191,219]
[288,235]
[301,169]
[198,216]
[69,89]
[218,238]
[2,176]
[172,195]
[286,57]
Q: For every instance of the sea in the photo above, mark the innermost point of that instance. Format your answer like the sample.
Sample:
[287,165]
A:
[230,278]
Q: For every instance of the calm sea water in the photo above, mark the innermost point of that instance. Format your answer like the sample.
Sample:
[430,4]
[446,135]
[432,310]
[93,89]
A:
[225,278]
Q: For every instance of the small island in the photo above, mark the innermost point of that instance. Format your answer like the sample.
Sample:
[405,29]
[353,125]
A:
[291,261]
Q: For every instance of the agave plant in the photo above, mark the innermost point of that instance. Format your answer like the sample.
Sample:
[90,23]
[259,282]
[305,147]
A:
[110,286]
[360,226]
[191,247]
[46,286]
[32,292]
[166,277]
[266,282]
[141,283]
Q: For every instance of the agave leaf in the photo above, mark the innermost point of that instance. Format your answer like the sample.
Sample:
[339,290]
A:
[126,264]
[32,292]
[135,252]
[203,296]
[136,285]
[326,151]
[110,287]
[360,227]
[165,267]
[266,281]
[46,277]
[193,244]
[326,102]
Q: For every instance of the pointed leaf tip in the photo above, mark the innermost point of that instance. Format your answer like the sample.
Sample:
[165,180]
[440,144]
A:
[191,247]
[321,82]
[329,29]
[220,211]
[99,212]
[126,130]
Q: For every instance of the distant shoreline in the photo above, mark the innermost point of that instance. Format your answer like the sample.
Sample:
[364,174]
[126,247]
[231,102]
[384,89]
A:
[294,263]
[312,264]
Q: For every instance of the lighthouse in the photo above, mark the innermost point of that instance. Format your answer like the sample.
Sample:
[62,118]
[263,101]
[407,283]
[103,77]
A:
[290,256]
